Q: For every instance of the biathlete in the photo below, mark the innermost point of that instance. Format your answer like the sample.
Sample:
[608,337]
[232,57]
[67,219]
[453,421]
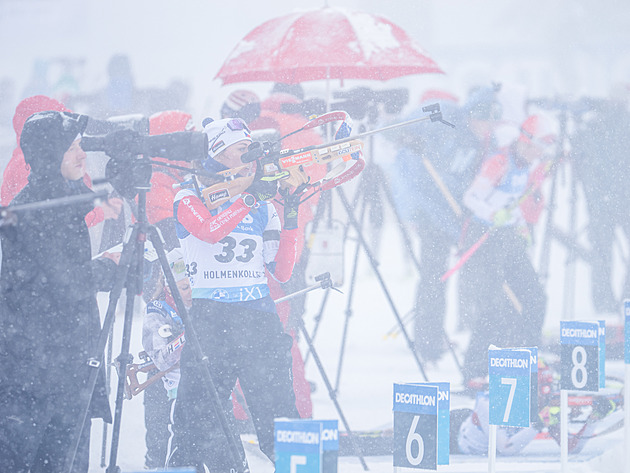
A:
[226,251]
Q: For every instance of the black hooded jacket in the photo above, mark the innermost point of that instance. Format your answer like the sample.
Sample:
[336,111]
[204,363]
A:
[48,281]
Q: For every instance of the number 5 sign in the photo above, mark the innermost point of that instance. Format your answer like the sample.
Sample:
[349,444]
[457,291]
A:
[415,426]
[579,355]
[510,375]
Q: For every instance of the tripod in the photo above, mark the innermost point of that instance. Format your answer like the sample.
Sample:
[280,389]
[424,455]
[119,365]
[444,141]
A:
[374,263]
[363,243]
[323,281]
[577,172]
[129,274]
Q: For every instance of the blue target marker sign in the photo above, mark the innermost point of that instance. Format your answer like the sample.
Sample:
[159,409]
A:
[306,446]
[415,426]
[579,355]
[298,446]
[330,446]
[510,374]
[602,353]
[533,384]
[444,421]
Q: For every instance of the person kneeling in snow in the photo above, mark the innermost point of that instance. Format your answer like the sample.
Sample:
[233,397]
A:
[470,428]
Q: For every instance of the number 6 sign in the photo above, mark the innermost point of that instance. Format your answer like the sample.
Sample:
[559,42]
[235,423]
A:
[415,426]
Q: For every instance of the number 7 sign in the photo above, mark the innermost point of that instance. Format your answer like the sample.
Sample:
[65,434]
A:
[510,376]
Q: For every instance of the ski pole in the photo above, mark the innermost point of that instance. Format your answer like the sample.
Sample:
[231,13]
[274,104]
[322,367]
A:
[324,282]
[466,256]
[395,330]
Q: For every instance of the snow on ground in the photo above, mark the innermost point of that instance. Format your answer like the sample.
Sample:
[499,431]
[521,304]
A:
[371,364]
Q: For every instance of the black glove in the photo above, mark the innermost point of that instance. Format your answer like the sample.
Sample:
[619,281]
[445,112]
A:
[291,202]
[261,188]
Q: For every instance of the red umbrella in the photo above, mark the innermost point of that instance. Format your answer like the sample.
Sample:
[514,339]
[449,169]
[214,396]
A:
[324,44]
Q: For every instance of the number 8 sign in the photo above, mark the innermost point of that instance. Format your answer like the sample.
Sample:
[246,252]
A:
[579,355]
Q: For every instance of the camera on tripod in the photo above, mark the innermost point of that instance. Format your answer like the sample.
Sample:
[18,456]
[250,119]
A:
[127,142]
[362,102]
[130,137]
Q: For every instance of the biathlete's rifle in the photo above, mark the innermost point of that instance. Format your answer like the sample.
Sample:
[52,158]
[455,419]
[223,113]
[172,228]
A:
[133,387]
[288,166]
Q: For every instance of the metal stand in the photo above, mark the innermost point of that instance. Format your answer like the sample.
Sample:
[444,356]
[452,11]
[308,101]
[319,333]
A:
[129,274]
[567,239]
[324,282]
[352,220]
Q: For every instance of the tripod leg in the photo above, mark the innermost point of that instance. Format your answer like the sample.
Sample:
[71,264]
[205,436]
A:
[374,264]
[95,362]
[318,320]
[191,337]
[123,360]
[570,266]
[108,377]
[333,396]
[349,302]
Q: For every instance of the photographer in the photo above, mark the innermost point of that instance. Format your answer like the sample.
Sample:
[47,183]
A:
[15,175]
[226,251]
[48,311]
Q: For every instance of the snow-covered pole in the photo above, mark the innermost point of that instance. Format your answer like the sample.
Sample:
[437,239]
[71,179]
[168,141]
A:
[564,430]
[626,385]
[626,417]
[492,449]
[97,197]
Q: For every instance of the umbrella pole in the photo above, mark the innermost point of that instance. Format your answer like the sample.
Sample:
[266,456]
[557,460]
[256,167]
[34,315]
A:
[327,93]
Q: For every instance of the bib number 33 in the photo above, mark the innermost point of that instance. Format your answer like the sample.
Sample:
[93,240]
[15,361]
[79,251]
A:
[245,249]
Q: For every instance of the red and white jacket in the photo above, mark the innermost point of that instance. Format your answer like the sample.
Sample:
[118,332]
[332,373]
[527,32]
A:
[227,250]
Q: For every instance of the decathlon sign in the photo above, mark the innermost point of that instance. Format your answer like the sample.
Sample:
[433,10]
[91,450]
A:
[306,446]
[509,373]
[415,426]
[580,364]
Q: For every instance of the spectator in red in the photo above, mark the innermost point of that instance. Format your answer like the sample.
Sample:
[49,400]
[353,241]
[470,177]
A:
[283,112]
[162,194]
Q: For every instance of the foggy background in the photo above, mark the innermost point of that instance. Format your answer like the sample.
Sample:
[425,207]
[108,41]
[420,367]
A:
[554,49]
[560,48]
